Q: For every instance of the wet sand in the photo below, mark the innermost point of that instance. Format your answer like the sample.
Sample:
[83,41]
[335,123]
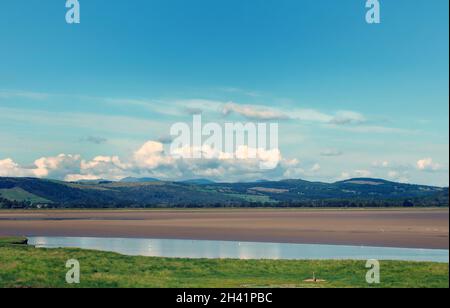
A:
[387,228]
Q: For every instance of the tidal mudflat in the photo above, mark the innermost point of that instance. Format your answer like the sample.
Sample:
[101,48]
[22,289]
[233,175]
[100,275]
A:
[414,228]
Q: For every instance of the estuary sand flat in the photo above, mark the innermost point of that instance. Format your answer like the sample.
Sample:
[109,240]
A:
[415,228]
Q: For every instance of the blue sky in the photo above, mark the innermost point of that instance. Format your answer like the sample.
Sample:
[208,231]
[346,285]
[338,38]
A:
[131,69]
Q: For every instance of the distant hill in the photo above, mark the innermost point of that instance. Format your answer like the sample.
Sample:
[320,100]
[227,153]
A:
[198,182]
[93,181]
[151,193]
[138,180]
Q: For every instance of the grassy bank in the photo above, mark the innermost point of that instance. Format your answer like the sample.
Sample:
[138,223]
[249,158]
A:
[24,266]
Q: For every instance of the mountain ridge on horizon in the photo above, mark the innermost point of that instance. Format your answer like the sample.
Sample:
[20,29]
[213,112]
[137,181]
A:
[204,181]
[357,192]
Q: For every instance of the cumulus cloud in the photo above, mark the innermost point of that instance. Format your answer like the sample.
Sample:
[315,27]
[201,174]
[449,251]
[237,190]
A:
[81,177]
[393,174]
[9,168]
[244,158]
[398,176]
[293,173]
[344,176]
[104,163]
[354,174]
[394,171]
[293,169]
[381,164]
[427,164]
[101,167]
[54,167]
[151,155]
[315,168]
[363,173]
[151,159]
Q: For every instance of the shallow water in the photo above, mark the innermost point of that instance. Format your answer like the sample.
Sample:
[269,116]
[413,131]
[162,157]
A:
[239,250]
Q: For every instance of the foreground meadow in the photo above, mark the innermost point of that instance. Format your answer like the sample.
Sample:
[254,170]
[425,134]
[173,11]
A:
[25,266]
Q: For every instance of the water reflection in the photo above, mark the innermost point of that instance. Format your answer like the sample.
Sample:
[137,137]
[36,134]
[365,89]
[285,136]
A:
[239,250]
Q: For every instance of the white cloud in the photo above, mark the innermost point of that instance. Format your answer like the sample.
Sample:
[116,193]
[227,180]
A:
[178,107]
[81,177]
[244,159]
[294,173]
[101,161]
[8,168]
[265,113]
[101,167]
[381,164]
[56,166]
[151,155]
[152,160]
[427,164]
[53,167]
[254,112]
[363,173]
[354,174]
[315,168]
[393,174]
[398,176]
[344,176]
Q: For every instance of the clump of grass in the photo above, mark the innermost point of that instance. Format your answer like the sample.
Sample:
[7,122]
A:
[26,266]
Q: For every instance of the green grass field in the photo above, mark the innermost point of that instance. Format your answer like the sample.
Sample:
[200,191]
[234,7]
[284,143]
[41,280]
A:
[25,266]
[18,194]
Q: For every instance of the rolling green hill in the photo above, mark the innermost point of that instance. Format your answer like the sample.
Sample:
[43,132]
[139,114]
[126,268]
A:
[30,192]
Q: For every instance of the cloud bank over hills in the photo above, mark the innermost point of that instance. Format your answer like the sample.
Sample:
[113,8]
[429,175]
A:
[308,145]
[153,160]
